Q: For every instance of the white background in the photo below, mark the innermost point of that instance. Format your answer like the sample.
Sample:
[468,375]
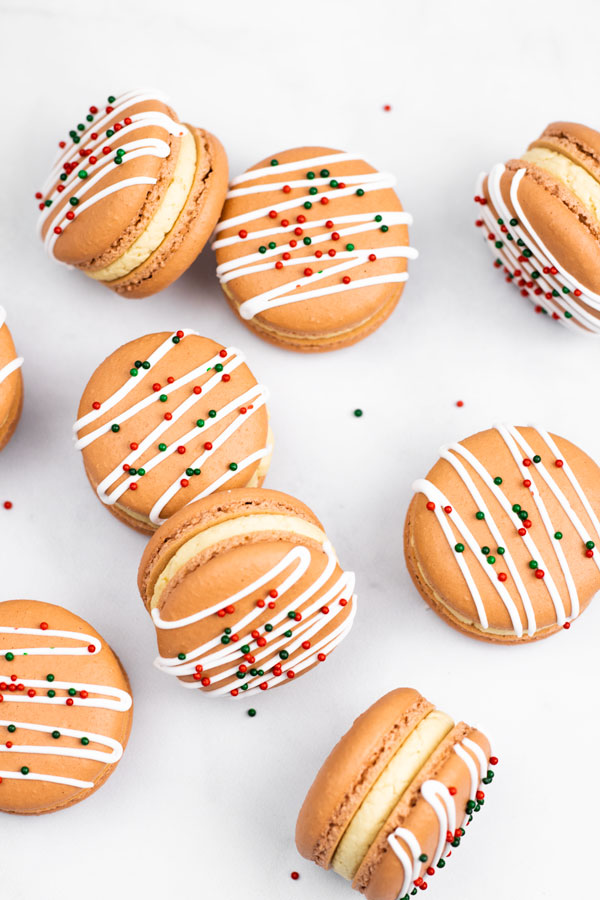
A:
[204,802]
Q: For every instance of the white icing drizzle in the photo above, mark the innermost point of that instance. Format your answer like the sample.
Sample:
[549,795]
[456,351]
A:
[252,399]
[74,186]
[14,364]
[213,654]
[519,449]
[256,262]
[105,697]
[437,795]
[540,259]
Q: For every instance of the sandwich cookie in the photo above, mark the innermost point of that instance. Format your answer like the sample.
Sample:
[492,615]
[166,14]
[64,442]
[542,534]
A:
[65,708]
[133,195]
[540,216]
[312,248]
[11,383]
[245,592]
[395,796]
[168,419]
[501,536]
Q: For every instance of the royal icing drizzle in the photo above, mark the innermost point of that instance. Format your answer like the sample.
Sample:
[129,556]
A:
[223,363]
[404,843]
[532,469]
[287,243]
[13,364]
[527,262]
[53,692]
[87,158]
[267,652]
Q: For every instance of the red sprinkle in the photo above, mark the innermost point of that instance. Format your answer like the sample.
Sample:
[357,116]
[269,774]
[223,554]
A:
[460,403]
[431,506]
[7,504]
[295,876]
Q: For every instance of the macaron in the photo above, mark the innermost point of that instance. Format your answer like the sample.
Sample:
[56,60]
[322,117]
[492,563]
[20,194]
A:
[312,248]
[65,708]
[394,797]
[501,537]
[245,592]
[133,195]
[169,418]
[11,383]
[540,216]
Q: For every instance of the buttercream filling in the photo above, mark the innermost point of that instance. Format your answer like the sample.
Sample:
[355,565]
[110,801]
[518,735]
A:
[163,219]
[573,176]
[233,528]
[387,791]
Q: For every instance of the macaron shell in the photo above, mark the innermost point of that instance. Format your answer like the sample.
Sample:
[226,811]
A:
[202,514]
[101,668]
[11,389]
[106,229]
[577,142]
[218,574]
[192,229]
[559,220]
[109,451]
[352,768]
[328,316]
[432,561]
[381,875]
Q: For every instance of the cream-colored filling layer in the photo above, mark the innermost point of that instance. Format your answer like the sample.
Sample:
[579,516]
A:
[573,176]
[163,219]
[233,528]
[387,791]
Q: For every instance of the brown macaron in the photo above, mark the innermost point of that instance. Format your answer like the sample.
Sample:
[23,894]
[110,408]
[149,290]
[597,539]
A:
[134,194]
[11,383]
[245,592]
[312,248]
[394,796]
[540,216]
[501,537]
[167,419]
[66,708]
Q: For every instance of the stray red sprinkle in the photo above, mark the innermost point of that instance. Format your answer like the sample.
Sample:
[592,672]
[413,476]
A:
[7,504]
[295,876]
[387,108]
[460,403]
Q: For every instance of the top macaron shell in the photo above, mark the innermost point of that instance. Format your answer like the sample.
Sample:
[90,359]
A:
[110,179]
[247,224]
[435,563]
[248,425]
[105,711]
[11,382]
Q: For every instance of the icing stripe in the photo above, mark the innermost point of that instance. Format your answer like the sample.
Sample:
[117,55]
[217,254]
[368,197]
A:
[14,364]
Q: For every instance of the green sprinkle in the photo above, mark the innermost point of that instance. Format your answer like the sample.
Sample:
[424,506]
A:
[200,423]
[533,564]
[272,245]
[498,244]
[485,550]
[51,693]
[181,656]
[360,192]
[497,480]
[56,735]
[49,677]
[307,241]
[283,654]
[133,372]
[523,515]
[324,173]
[459,548]
[111,99]
[115,428]
[82,173]
[24,770]
[358,413]
[245,648]
[212,413]
[145,365]
[262,249]
[85,741]
[175,339]
[189,472]
[9,657]
[72,692]
[349,246]
[310,175]
[251,713]
[268,627]
[537,458]
[423,857]
[491,560]
[441,863]
[479,515]
[313,191]
[384,228]
[513,222]
[233,466]
[219,367]
[287,633]
[516,507]
[162,447]
[558,535]
[73,201]
[500,551]
[12,728]
[307,204]
[197,471]
[333,183]
[274,162]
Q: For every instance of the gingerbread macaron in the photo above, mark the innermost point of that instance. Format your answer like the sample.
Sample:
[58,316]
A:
[167,419]
[540,216]
[312,248]
[11,383]
[65,708]
[133,195]
[395,796]
[245,592]
[501,537]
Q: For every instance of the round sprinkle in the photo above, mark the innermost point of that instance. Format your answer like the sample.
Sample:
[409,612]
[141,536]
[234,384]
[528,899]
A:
[251,712]
[358,413]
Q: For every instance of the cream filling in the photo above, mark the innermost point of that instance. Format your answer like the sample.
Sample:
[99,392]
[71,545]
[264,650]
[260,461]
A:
[163,219]
[572,175]
[233,528]
[388,790]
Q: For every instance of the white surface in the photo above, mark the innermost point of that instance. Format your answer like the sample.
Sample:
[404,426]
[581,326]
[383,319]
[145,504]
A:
[204,802]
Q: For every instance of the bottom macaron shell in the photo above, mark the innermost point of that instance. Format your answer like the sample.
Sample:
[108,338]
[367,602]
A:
[192,229]
[71,701]
[351,769]
[315,343]
[382,875]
